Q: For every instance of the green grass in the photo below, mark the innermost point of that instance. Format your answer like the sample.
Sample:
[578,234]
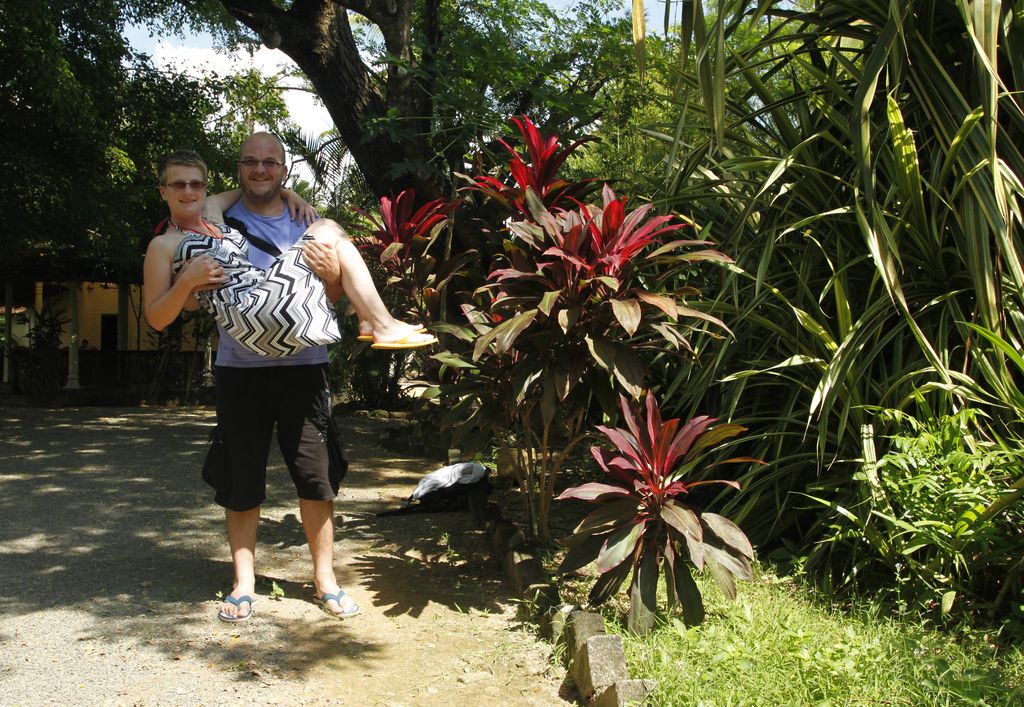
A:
[776,646]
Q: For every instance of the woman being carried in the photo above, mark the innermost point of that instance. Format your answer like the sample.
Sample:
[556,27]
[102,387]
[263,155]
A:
[198,261]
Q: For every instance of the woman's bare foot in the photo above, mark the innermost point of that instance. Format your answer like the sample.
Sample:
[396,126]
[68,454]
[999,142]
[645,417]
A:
[400,335]
[398,332]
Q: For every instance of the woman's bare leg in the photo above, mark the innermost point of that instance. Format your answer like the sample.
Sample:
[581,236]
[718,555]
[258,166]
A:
[360,289]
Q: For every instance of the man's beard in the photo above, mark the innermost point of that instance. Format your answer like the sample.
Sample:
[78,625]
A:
[268,192]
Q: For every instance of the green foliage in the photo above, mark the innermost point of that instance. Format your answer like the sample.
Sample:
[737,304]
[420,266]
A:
[172,369]
[338,187]
[45,334]
[919,529]
[403,240]
[39,368]
[255,102]
[872,202]
[402,244]
[375,380]
[646,522]
[87,121]
[184,16]
[56,65]
[500,59]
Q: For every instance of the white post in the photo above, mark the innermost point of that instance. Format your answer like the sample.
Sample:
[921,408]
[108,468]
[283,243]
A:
[208,364]
[72,383]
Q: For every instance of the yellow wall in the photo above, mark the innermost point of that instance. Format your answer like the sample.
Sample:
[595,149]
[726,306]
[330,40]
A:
[99,298]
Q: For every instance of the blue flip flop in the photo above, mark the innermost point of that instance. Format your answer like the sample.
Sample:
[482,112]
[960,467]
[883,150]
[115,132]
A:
[237,601]
[326,597]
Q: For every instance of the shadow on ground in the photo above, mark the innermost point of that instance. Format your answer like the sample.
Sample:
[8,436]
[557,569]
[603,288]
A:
[102,511]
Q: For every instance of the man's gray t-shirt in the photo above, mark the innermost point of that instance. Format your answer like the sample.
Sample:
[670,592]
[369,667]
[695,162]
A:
[283,232]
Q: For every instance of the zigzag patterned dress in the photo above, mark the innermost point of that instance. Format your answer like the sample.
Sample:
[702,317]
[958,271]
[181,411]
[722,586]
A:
[273,312]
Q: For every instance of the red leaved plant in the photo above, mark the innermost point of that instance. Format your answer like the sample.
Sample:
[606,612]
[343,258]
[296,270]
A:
[401,239]
[643,523]
[567,319]
[540,175]
[588,256]
[399,226]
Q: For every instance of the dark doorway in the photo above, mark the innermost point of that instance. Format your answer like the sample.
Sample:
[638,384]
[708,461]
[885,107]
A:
[108,349]
[108,333]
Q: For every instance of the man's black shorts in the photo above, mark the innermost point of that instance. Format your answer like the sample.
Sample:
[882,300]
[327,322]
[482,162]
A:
[298,399]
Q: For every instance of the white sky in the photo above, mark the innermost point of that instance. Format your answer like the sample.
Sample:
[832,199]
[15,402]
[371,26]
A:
[195,56]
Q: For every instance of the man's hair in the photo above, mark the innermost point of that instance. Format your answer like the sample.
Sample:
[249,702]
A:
[181,158]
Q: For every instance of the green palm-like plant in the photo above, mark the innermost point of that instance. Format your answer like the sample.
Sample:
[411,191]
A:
[644,523]
[864,170]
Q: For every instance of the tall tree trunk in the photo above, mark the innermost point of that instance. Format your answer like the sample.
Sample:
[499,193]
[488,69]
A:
[384,119]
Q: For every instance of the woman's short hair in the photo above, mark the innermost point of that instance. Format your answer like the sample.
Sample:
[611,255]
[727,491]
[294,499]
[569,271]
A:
[181,158]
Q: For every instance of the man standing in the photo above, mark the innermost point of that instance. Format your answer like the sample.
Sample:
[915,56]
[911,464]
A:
[254,393]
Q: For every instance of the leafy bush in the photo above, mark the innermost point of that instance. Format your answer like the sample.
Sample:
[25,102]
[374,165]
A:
[643,525]
[565,320]
[45,335]
[402,242]
[41,372]
[862,165]
[934,523]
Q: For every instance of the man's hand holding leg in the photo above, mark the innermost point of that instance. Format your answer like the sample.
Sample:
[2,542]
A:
[322,258]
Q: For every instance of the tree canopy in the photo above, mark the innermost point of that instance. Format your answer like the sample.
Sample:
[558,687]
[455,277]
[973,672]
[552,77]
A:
[415,86]
[85,121]
[416,89]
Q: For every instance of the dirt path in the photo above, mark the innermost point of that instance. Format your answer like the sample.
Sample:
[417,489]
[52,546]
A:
[111,557]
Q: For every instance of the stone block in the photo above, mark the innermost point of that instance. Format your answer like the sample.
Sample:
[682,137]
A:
[552,622]
[598,664]
[523,569]
[624,693]
[581,626]
[507,536]
[542,596]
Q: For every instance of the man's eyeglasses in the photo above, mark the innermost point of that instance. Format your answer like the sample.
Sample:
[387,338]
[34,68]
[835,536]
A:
[268,164]
[195,184]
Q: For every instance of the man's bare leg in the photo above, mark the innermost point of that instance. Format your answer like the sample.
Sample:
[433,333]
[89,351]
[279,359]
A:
[318,522]
[242,539]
